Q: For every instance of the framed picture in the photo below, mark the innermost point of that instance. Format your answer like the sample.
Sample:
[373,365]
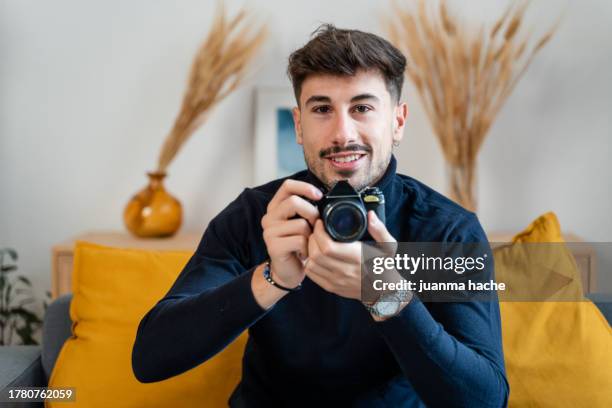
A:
[277,153]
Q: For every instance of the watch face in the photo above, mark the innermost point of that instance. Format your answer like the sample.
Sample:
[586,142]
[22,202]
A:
[387,305]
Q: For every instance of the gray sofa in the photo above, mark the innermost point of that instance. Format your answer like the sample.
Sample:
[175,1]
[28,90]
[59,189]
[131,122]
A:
[31,366]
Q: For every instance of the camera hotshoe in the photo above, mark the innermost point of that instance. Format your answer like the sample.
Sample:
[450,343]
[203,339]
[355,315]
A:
[344,210]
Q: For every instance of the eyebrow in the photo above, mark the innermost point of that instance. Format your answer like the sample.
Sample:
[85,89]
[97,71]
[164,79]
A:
[327,99]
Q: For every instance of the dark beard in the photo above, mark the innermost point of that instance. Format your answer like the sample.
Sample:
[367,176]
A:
[375,175]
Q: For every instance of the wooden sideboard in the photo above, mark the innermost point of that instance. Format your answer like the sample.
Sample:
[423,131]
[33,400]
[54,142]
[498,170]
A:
[62,253]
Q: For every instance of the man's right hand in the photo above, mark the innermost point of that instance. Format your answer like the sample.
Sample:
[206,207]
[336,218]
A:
[287,225]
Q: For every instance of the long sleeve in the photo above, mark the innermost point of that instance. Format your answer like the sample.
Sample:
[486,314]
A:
[450,364]
[445,354]
[451,352]
[209,305]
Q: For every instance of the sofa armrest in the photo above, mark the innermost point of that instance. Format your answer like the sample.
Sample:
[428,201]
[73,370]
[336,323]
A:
[604,302]
[21,367]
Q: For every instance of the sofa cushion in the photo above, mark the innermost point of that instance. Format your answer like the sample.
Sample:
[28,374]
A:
[112,290]
[557,353]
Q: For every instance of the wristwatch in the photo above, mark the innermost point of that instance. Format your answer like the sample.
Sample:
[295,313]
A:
[389,304]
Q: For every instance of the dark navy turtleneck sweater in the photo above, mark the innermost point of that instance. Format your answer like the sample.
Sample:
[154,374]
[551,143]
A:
[314,347]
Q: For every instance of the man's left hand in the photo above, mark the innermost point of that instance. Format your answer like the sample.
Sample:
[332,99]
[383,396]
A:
[336,266]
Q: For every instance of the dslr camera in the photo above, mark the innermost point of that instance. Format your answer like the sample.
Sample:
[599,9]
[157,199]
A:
[344,210]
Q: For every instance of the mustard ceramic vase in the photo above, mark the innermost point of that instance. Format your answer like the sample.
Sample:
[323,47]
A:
[153,212]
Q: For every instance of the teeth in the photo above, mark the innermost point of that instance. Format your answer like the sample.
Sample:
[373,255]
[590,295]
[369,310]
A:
[346,159]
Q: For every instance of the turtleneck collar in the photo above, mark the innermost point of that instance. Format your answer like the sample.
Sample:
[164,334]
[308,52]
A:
[383,183]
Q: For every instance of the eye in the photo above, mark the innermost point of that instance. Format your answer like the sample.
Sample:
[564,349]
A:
[362,108]
[321,109]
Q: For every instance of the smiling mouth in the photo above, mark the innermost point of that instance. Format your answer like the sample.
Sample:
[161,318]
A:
[346,162]
[346,158]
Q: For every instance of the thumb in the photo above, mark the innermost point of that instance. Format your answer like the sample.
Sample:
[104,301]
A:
[377,229]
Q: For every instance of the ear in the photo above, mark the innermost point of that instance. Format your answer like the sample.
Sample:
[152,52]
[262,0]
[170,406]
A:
[297,124]
[399,120]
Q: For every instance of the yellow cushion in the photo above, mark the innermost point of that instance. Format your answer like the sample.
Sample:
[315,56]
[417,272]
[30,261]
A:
[557,354]
[545,228]
[113,289]
[542,267]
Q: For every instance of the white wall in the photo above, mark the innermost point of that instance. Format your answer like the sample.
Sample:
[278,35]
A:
[88,91]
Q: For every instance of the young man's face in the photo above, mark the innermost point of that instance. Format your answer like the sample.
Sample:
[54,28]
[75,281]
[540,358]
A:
[347,126]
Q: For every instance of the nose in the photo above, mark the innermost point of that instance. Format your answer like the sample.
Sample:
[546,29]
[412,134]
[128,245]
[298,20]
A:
[344,132]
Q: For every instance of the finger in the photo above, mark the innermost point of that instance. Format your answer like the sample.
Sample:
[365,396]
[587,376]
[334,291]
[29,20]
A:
[385,244]
[343,251]
[315,255]
[285,246]
[373,249]
[295,205]
[377,229]
[298,226]
[294,187]
[312,245]
[333,265]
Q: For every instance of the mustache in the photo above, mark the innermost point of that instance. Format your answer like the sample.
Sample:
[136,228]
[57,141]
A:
[350,148]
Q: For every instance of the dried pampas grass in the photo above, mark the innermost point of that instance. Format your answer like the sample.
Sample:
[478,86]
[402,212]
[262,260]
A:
[218,69]
[463,77]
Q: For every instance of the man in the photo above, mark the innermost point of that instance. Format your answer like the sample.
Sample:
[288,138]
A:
[312,341]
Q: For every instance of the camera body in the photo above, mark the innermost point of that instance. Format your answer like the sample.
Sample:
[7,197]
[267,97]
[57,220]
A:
[344,211]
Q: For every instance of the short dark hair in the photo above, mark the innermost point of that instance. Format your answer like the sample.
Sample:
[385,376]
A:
[344,52]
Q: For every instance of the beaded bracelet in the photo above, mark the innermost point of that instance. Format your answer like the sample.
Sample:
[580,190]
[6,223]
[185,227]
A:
[268,276]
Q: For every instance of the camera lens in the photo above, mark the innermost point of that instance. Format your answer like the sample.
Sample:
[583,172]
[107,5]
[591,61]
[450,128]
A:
[346,221]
